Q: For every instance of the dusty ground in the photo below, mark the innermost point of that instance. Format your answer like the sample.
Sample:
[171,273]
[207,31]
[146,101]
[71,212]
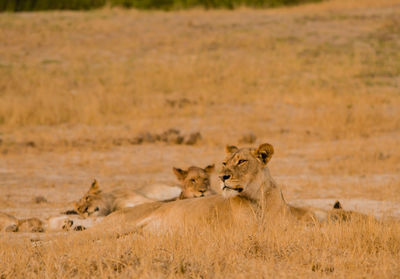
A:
[320,82]
[62,177]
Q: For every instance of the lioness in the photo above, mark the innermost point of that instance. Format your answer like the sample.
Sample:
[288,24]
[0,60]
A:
[195,182]
[248,192]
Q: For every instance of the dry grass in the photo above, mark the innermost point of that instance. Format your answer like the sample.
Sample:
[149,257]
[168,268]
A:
[118,67]
[358,250]
[320,82]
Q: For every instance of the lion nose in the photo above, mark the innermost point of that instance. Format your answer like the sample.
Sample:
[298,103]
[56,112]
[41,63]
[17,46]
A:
[202,191]
[225,177]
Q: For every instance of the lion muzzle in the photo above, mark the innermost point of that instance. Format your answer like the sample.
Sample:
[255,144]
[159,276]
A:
[238,189]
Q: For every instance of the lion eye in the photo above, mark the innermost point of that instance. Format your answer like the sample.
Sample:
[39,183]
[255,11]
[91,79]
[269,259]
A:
[241,162]
[224,163]
[192,180]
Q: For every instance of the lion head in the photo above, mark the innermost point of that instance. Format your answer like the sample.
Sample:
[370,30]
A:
[91,202]
[195,181]
[245,171]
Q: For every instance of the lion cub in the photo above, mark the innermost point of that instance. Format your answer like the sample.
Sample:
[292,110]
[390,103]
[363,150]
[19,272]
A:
[195,182]
[9,223]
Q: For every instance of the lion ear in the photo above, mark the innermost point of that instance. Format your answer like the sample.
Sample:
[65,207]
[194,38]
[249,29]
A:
[209,169]
[75,205]
[264,152]
[180,174]
[337,205]
[94,188]
[229,149]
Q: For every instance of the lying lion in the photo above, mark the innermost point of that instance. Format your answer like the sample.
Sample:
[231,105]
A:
[195,182]
[95,204]
[249,193]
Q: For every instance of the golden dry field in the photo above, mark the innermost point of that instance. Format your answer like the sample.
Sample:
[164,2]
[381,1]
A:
[320,82]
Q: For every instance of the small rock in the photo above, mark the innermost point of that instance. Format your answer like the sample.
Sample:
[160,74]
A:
[248,138]
[136,140]
[39,199]
[284,131]
[117,142]
[172,136]
[193,138]
[147,137]
[144,138]
[179,103]
[30,144]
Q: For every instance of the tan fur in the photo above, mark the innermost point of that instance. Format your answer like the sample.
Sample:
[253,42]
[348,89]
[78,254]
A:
[248,193]
[97,203]
[30,225]
[70,223]
[9,223]
[341,215]
[195,182]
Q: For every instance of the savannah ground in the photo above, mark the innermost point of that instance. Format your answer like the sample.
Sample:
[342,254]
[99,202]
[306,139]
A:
[321,82]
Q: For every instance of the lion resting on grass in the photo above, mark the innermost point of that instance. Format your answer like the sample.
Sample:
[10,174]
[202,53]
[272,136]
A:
[97,203]
[195,182]
[248,192]
[94,205]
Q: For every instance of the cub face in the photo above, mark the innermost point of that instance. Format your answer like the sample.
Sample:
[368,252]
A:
[195,181]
